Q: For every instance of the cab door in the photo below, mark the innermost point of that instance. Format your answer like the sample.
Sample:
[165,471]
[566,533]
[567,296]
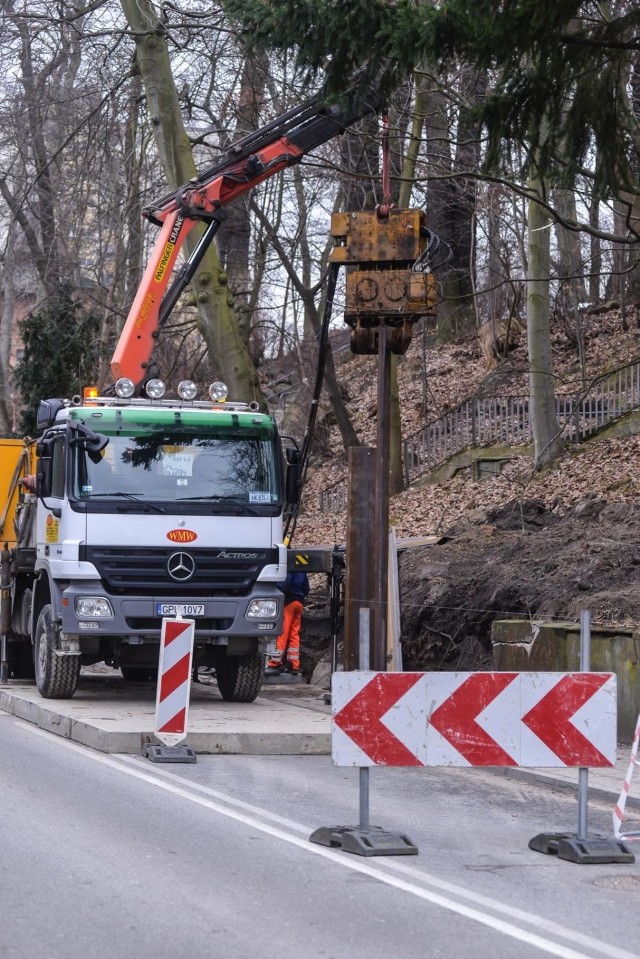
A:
[59,529]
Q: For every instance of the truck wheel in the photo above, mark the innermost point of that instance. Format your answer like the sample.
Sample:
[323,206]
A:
[56,676]
[240,677]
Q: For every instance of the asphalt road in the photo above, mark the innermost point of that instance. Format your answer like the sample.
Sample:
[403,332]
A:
[110,857]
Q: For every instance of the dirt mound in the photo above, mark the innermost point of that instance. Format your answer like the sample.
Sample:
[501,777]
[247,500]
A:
[517,560]
[531,514]
[568,540]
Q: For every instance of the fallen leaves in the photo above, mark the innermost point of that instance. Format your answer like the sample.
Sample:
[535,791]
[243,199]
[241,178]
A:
[433,379]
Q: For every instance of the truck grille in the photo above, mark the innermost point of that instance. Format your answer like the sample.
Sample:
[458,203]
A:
[145,570]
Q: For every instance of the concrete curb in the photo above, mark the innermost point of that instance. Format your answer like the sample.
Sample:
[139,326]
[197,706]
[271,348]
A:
[110,724]
[604,792]
[68,728]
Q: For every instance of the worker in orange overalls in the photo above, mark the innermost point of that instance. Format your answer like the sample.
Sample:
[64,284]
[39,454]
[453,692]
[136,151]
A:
[287,654]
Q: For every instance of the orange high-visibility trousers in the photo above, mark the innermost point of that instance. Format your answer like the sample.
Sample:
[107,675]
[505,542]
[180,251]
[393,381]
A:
[288,642]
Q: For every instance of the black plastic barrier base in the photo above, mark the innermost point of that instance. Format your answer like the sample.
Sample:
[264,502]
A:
[374,841]
[593,849]
[170,754]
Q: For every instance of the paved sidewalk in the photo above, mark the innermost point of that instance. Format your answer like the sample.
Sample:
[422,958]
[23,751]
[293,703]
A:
[114,716]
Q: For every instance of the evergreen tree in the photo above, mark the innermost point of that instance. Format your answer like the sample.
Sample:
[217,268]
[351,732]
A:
[553,60]
[59,352]
[561,89]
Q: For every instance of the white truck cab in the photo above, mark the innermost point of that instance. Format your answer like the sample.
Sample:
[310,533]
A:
[146,508]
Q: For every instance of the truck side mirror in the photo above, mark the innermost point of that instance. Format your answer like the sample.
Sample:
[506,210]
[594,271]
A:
[93,443]
[44,469]
[47,412]
[293,478]
[95,446]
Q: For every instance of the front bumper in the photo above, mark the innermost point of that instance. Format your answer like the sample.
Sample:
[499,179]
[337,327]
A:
[136,619]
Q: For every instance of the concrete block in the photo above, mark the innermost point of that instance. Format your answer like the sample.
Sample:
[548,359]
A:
[530,645]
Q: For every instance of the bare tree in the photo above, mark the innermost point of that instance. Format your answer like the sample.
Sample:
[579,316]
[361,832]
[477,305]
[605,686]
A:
[547,437]
[217,321]
[60,210]
[451,193]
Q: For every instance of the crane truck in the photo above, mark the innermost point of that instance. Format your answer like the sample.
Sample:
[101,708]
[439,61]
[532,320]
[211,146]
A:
[133,506]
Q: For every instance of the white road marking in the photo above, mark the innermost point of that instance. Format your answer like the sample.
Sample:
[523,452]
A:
[549,926]
[214,801]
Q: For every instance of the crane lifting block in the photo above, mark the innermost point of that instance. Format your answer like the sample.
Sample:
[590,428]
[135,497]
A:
[389,293]
[366,237]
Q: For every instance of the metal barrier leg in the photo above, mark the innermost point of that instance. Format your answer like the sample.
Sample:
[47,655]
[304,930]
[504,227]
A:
[364,839]
[580,847]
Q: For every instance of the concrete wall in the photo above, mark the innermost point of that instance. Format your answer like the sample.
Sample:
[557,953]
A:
[470,457]
[525,646]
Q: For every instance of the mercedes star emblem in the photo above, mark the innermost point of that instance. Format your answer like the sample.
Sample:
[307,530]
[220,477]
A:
[181,566]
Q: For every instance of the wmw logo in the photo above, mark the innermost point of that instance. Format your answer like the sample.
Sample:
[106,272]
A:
[181,535]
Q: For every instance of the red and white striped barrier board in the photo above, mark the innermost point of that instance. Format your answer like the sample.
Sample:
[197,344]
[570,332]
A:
[174,680]
[618,812]
[473,719]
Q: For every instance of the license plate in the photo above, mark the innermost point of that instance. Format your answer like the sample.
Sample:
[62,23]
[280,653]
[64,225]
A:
[184,609]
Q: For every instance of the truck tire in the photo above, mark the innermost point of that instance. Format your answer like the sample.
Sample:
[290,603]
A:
[56,676]
[240,677]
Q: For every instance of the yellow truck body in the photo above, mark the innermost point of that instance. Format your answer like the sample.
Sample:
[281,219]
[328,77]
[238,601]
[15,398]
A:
[17,460]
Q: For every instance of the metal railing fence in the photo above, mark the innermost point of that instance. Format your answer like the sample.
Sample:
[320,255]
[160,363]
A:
[505,419]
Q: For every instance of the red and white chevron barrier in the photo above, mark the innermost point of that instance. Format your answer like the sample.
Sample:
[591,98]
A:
[174,680]
[618,812]
[473,719]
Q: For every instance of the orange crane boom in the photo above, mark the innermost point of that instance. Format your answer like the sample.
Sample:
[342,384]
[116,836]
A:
[255,158]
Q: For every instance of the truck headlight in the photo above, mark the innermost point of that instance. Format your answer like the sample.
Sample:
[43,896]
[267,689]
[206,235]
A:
[262,609]
[93,607]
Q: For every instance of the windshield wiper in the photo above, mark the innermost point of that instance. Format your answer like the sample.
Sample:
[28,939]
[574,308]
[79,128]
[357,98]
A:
[136,499]
[238,509]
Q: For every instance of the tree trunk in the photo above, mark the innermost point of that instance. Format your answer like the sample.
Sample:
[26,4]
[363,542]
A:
[360,158]
[396,473]
[546,432]
[217,321]
[570,269]
[128,241]
[451,208]
[46,249]
[234,236]
[496,269]
[595,279]
[6,331]
[312,315]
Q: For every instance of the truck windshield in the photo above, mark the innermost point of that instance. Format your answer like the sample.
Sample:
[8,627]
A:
[173,462]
